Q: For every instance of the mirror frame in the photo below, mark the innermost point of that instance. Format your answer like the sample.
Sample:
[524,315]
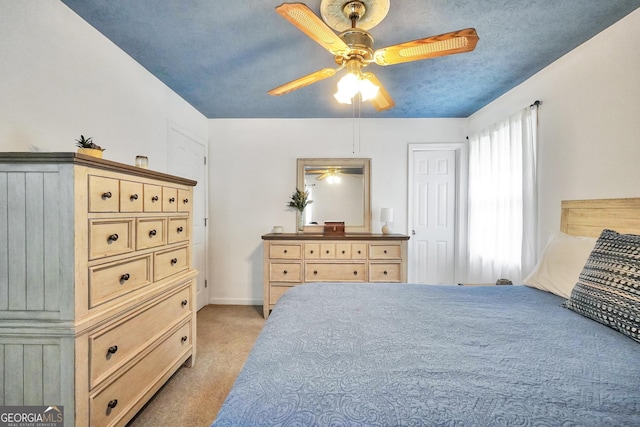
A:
[344,162]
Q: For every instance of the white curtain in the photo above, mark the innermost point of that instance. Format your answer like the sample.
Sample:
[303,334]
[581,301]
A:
[502,205]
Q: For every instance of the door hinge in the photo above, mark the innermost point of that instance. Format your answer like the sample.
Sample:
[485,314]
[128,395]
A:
[205,221]
[205,283]
[205,160]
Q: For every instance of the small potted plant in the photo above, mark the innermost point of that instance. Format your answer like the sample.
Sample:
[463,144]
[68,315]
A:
[300,200]
[88,147]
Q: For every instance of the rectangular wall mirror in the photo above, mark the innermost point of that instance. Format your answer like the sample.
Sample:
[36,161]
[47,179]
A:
[340,190]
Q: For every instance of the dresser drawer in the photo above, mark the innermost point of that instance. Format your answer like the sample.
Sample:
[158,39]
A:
[110,237]
[277,251]
[276,291]
[104,194]
[327,250]
[169,199]
[109,281]
[152,198]
[170,262]
[178,229]
[131,196]
[325,272]
[111,348]
[343,250]
[312,250]
[109,405]
[389,251]
[358,251]
[184,200]
[285,272]
[150,233]
[384,273]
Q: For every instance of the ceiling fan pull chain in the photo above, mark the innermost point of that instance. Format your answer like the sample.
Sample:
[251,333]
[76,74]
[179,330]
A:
[359,122]
[353,128]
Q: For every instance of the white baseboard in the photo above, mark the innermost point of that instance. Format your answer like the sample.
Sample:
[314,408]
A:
[235,301]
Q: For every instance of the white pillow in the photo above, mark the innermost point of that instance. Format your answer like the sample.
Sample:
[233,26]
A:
[561,263]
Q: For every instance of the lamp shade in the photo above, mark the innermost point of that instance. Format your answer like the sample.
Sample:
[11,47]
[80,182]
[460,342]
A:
[386,215]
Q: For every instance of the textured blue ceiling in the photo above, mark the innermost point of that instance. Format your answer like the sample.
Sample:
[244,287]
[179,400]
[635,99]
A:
[223,56]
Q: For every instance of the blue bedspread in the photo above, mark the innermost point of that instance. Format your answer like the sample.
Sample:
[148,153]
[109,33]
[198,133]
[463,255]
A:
[420,355]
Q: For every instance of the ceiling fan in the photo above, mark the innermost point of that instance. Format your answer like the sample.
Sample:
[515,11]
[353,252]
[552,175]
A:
[353,47]
[333,172]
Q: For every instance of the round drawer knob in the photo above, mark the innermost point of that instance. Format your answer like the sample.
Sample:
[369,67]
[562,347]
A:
[172,200]
[184,302]
[112,403]
[152,233]
[179,229]
[285,272]
[174,261]
[315,272]
[124,277]
[184,338]
[285,251]
[185,201]
[343,252]
[133,197]
[327,251]
[107,195]
[359,252]
[385,251]
[113,349]
[154,199]
[385,272]
[112,238]
[355,273]
[311,251]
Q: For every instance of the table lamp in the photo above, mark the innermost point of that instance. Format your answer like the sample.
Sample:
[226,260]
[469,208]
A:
[386,216]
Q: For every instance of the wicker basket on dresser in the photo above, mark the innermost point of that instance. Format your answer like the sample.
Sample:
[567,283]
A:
[291,259]
[97,292]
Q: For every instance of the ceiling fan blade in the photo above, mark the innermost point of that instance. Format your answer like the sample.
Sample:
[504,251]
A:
[303,81]
[309,23]
[430,47]
[382,101]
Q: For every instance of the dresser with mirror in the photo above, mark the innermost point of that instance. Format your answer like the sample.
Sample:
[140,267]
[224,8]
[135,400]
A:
[341,192]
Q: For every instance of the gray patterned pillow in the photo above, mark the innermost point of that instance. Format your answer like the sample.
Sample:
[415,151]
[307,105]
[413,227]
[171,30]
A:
[608,289]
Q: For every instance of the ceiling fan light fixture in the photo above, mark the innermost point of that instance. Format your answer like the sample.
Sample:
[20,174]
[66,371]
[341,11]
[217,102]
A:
[334,178]
[348,87]
[368,90]
[353,83]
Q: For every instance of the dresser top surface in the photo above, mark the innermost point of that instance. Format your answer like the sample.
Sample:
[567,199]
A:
[346,236]
[84,160]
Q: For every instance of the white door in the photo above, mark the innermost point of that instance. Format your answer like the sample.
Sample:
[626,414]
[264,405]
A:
[432,216]
[187,158]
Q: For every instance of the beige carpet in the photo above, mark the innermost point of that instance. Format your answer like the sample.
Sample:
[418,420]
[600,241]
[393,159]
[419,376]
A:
[193,396]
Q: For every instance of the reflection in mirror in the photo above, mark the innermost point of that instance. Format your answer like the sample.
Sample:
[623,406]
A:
[339,189]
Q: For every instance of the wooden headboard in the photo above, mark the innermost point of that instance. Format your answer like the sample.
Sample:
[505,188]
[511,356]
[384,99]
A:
[590,217]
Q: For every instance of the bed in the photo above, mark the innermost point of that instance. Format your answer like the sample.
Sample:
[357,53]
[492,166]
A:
[422,355]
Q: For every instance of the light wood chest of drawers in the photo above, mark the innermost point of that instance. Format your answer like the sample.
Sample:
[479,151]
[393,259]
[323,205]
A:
[292,259]
[97,292]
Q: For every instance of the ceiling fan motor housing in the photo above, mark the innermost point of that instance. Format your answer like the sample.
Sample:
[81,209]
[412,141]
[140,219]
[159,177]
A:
[361,44]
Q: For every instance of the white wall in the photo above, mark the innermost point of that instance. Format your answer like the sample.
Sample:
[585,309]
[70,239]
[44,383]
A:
[59,78]
[253,173]
[589,121]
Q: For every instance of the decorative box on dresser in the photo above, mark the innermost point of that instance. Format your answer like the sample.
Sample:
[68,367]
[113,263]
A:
[97,292]
[291,259]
